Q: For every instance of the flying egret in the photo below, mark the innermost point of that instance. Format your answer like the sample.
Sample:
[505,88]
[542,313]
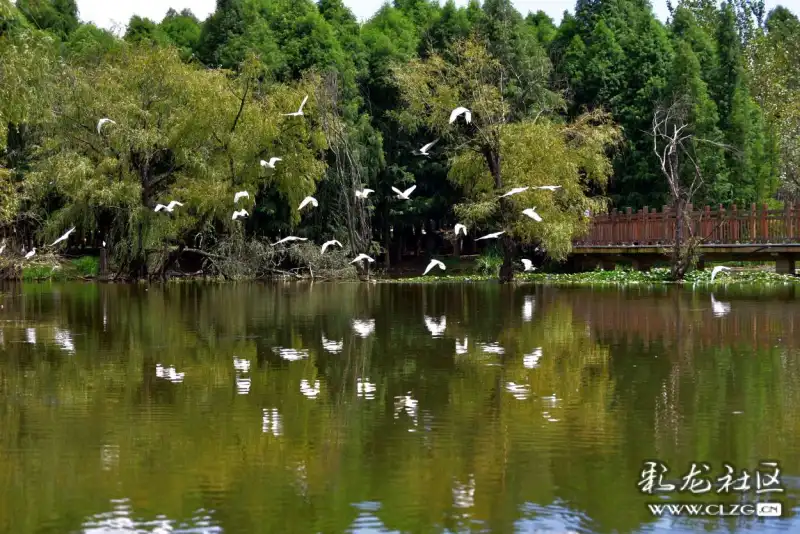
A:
[424,150]
[718,269]
[549,187]
[63,237]
[299,112]
[363,193]
[460,228]
[104,244]
[491,236]
[241,213]
[240,194]
[30,254]
[531,212]
[362,257]
[515,191]
[169,207]
[458,111]
[306,201]
[2,248]
[271,163]
[528,264]
[101,122]
[326,244]
[404,194]
[432,264]
[290,238]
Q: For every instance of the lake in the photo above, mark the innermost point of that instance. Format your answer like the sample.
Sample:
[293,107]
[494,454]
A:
[357,407]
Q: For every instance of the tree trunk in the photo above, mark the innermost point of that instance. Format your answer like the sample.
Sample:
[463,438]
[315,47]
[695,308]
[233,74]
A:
[507,269]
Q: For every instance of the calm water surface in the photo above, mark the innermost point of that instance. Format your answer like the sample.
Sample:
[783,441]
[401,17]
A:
[387,408]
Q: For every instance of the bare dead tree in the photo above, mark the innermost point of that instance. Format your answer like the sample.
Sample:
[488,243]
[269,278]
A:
[346,169]
[673,145]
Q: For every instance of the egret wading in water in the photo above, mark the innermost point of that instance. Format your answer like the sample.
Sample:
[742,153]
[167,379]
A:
[718,269]
[432,264]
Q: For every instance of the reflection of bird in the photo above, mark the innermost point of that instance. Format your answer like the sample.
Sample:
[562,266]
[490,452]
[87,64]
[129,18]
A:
[362,257]
[527,308]
[169,207]
[432,264]
[332,346]
[364,327]
[531,212]
[515,191]
[404,194]
[306,201]
[720,309]
[461,348]
[290,238]
[530,361]
[326,244]
[528,264]
[436,328]
[299,112]
[241,213]
[239,195]
[460,228]
[30,254]
[458,111]
[364,193]
[424,150]
[101,122]
[271,163]
[491,236]
[718,269]
[63,237]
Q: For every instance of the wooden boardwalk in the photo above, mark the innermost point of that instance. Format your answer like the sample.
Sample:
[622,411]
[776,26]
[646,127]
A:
[643,238]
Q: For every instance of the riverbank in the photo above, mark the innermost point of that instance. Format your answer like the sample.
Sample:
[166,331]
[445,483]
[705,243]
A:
[466,270]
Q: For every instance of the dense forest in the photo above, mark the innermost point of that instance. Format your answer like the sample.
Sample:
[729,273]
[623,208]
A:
[197,108]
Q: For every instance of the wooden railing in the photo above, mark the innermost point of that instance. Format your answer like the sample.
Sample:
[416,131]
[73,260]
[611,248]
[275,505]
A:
[648,227]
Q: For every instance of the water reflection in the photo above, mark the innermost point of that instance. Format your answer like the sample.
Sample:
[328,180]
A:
[487,419]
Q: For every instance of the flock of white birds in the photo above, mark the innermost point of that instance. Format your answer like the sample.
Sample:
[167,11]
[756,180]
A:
[360,194]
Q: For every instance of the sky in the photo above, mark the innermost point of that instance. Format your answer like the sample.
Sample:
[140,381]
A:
[113,14]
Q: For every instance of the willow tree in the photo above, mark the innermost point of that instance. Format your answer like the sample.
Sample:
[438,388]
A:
[511,141]
[180,132]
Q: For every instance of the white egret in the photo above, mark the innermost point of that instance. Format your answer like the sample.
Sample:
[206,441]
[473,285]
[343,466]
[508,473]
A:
[404,194]
[241,213]
[63,237]
[240,194]
[458,111]
[528,264]
[432,264]
[424,150]
[289,238]
[2,248]
[514,191]
[30,254]
[362,257]
[718,269]
[460,228]
[169,207]
[363,193]
[549,187]
[531,212]
[306,201]
[104,244]
[101,122]
[271,163]
[326,244]
[491,236]
[299,112]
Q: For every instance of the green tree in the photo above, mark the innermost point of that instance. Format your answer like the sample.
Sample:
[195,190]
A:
[493,153]
[59,17]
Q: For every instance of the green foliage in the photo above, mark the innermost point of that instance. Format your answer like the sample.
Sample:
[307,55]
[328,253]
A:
[489,263]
